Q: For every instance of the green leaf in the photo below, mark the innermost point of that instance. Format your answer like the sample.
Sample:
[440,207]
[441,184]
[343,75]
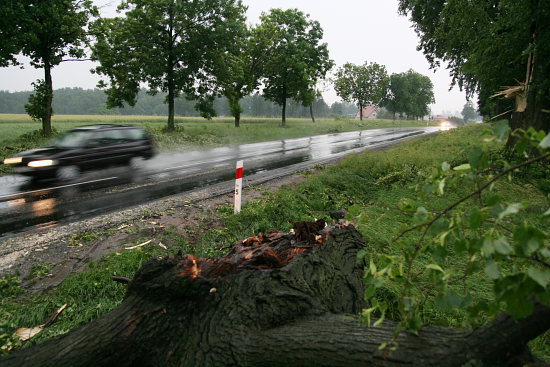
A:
[441,187]
[488,247]
[492,270]
[510,210]
[502,246]
[501,129]
[372,267]
[445,167]
[541,276]
[475,219]
[434,267]
[421,215]
[547,213]
[478,158]
[367,314]
[361,255]
[380,320]
[545,143]
[463,167]
[370,292]
[529,238]
[453,298]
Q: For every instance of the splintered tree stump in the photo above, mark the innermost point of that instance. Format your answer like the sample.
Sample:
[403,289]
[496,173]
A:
[273,300]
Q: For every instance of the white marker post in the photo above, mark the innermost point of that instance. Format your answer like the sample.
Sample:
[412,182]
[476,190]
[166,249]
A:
[238,186]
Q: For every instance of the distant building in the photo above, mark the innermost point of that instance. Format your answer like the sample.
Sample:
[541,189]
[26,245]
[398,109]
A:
[369,112]
[440,117]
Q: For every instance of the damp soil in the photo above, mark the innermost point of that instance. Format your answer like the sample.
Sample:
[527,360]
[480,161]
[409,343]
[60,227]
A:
[70,249]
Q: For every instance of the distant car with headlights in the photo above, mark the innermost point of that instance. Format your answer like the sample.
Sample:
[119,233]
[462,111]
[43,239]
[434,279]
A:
[85,148]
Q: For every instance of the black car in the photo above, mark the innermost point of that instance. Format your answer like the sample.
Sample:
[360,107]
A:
[84,148]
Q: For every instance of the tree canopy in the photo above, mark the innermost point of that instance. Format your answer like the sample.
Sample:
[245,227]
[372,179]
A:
[490,44]
[469,112]
[364,85]
[239,72]
[34,30]
[170,45]
[294,57]
[409,93]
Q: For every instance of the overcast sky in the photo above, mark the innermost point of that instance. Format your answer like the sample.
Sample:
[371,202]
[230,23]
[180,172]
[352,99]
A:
[355,31]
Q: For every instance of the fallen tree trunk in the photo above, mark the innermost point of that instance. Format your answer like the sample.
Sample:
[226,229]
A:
[272,301]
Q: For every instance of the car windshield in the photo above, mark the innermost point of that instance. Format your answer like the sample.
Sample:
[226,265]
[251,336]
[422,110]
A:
[72,139]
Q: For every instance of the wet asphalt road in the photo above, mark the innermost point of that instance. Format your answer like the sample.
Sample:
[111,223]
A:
[26,205]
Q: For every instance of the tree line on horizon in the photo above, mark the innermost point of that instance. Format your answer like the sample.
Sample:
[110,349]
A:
[79,101]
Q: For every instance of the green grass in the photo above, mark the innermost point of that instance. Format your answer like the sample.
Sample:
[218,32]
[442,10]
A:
[19,132]
[371,184]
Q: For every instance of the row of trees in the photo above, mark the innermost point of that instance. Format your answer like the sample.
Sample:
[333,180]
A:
[198,50]
[408,93]
[77,101]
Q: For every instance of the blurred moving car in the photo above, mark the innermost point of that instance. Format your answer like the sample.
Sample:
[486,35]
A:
[84,148]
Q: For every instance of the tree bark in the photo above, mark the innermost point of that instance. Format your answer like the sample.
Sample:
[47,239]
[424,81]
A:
[283,117]
[274,300]
[47,118]
[311,112]
[171,98]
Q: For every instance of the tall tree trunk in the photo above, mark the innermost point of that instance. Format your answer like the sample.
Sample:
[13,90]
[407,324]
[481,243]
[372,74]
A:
[311,112]
[283,113]
[274,300]
[234,108]
[360,111]
[47,118]
[171,97]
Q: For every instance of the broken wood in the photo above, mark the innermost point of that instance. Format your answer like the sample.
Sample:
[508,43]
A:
[271,301]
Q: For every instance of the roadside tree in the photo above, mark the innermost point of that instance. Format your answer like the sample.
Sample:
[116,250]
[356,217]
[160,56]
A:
[489,45]
[409,93]
[239,70]
[364,85]
[398,96]
[469,112]
[33,28]
[295,58]
[422,94]
[172,46]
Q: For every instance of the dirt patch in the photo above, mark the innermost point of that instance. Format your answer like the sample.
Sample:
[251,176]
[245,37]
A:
[185,217]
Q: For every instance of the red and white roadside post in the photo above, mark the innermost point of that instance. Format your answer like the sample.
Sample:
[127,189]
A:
[238,186]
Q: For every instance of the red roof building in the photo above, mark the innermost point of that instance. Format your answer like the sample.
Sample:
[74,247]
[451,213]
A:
[369,112]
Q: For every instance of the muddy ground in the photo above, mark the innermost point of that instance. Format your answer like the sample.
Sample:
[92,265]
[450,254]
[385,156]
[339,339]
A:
[65,250]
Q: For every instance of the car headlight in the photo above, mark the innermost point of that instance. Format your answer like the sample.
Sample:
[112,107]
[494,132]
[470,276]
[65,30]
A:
[13,160]
[42,163]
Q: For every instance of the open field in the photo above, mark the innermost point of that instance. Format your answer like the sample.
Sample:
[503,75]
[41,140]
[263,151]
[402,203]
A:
[19,132]
[198,131]
[373,183]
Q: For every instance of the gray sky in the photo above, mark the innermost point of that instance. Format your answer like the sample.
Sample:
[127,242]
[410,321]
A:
[355,31]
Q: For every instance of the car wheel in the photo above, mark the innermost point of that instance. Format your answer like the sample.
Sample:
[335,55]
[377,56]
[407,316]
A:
[137,162]
[67,173]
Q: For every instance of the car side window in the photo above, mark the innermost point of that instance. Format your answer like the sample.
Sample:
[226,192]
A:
[110,137]
[134,134]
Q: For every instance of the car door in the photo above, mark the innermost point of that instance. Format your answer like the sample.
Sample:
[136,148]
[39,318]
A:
[102,149]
